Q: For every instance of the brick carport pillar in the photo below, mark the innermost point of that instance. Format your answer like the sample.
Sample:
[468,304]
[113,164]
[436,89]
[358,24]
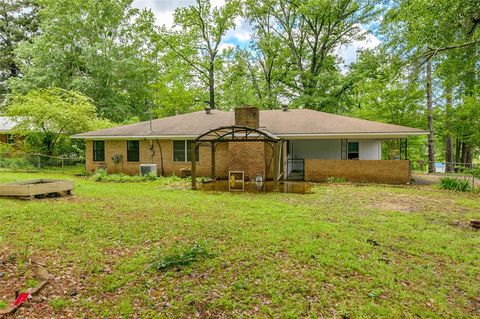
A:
[212,172]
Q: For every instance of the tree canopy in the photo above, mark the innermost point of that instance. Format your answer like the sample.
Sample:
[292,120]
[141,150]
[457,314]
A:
[51,114]
[423,72]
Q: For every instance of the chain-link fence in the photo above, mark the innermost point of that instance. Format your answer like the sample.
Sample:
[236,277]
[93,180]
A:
[35,162]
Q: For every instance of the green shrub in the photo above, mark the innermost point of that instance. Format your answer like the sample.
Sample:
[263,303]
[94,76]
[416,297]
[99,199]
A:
[455,184]
[474,171]
[180,257]
[16,163]
[101,175]
[150,176]
[6,149]
[3,304]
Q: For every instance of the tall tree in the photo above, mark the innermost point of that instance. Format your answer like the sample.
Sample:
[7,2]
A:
[49,115]
[448,128]
[422,31]
[237,86]
[18,22]
[312,30]
[387,92]
[197,43]
[431,133]
[102,49]
[266,54]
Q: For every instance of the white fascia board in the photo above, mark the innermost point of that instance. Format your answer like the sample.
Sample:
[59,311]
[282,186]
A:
[349,135]
[139,137]
[300,136]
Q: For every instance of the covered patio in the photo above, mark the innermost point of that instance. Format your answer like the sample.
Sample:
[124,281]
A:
[238,134]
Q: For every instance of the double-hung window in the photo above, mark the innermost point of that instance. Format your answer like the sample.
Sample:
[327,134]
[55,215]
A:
[133,151]
[182,151]
[353,151]
[99,151]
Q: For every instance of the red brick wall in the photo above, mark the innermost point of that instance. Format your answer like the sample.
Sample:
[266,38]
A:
[247,116]
[169,166]
[375,171]
[248,157]
[16,138]
[251,157]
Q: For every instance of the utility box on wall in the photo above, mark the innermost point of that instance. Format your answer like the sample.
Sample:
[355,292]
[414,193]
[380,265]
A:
[148,169]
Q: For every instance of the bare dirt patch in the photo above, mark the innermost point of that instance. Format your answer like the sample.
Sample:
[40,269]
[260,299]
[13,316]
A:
[400,203]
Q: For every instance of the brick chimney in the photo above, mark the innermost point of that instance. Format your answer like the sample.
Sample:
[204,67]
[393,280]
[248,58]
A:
[247,116]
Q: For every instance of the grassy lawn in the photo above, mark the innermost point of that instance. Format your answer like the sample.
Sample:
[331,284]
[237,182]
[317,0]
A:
[344,251]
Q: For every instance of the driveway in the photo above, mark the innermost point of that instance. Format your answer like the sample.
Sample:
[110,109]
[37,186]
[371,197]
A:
[432,179]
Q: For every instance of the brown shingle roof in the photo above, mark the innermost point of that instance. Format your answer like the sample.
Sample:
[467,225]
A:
[295,122]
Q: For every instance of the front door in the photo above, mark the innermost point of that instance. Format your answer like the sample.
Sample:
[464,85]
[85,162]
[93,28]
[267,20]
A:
[295,167]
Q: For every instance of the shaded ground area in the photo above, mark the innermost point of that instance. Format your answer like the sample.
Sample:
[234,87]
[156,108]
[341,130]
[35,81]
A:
[351,251]
[294,187]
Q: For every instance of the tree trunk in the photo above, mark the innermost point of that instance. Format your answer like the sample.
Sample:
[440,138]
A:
[431,141]
[458,150]
[448,133]
[268,93]
[211,75]
[468,156]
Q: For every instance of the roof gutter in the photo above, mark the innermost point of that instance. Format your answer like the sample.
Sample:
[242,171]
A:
[284,136]
[134,137]
[352,135]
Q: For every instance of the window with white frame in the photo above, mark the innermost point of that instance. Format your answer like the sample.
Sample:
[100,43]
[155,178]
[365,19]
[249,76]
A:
[182,151]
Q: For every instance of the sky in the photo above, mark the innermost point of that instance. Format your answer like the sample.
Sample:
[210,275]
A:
[163,10]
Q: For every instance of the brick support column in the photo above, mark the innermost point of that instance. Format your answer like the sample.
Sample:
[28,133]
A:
[212,168]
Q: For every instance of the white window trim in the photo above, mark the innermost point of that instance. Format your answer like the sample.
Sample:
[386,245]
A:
[185,152]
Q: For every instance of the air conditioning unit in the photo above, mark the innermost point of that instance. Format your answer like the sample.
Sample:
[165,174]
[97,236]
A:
[148,168]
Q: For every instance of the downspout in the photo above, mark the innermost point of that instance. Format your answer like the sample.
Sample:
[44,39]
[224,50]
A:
[152,151]
[161,157]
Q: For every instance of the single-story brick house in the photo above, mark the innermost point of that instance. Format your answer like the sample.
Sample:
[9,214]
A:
[283,144]
[6,126]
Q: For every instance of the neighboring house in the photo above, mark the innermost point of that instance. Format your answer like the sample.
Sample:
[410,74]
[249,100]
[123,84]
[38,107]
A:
[298,144]
[6,127]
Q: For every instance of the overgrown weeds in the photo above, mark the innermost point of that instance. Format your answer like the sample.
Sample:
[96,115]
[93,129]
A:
[181,256]
[474,171]
[455,184]
[15,163]
[335,180]
[101,175]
